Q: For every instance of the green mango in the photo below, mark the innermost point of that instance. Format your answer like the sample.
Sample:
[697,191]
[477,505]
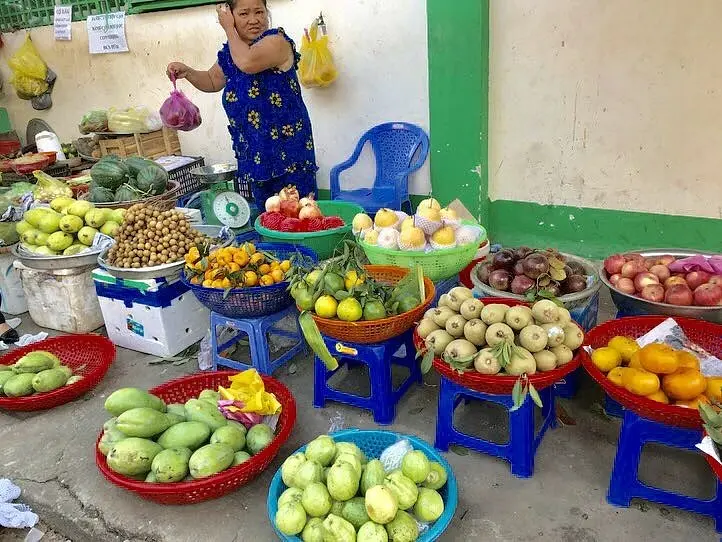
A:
[19,385]
[171,465]
[110,437]
[151,478]
[133,456]
[128,398]
[4,377]
[240,457]
[190,435]
[210,396]
[34,362]
[73,379]
[142,422]
[66,370]
[205,412]
[5,368]
[177,409]
[230,435]
[49,380]
[210,459]
[174,418]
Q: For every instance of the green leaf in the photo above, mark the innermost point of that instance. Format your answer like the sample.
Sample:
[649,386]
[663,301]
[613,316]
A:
[709,416]
[516,394]
[341,295]
[226,292]
[427,361]
[535,396]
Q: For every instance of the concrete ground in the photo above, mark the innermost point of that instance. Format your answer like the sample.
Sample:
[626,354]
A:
[51,456]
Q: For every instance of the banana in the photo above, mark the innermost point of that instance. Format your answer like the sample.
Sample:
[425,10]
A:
[315,341]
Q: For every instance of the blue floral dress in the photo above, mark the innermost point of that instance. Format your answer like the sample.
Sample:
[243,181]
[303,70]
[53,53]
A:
[269,125]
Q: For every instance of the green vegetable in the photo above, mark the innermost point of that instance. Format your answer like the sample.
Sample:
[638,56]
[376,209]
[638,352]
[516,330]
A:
[100,194]
[127,193]
[109,173]
[151,180]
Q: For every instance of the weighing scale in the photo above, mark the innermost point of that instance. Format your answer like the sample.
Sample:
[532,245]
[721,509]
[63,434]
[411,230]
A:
[221,205]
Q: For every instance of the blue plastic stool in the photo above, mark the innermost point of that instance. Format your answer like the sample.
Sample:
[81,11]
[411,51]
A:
[257,330]
[624,484]
[378,357]
[523,440]
[612,408]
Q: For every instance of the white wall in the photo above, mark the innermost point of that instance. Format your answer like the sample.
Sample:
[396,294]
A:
[608,104]
[380,48]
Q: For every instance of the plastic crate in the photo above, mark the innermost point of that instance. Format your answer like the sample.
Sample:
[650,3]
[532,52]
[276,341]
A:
[182,175]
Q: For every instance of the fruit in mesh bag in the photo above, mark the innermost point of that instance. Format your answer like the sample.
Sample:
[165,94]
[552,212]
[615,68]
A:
[315,224]
[272,220]
[290,225]
[331,222]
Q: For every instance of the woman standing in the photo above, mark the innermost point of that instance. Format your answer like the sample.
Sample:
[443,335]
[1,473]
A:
[267,118]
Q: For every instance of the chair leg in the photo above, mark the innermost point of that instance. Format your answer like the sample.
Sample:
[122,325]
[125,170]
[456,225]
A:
[445,414]
[521,435]
[626,463]
[382,391]
[319,383]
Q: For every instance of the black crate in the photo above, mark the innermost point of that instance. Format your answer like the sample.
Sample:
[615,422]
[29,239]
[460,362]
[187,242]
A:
[182,175]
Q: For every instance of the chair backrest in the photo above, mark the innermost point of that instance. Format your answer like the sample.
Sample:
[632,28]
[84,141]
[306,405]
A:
[395,145]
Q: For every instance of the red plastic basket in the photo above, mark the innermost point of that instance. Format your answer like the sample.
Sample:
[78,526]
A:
[716,467]
[495,384]
[465,274]
[179,391]
[706,334]
[87,355]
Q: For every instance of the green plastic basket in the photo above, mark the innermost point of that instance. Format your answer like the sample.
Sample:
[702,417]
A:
[322,242]
[437,265]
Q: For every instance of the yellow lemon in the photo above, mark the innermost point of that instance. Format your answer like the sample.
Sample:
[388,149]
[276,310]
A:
[326,306]
[349,310]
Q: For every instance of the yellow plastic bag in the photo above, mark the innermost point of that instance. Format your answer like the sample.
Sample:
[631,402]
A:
[130,120]
[29,86]
[29,71]
[316,68]
[247,387]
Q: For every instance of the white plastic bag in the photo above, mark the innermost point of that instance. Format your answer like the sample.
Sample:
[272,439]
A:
[392,456]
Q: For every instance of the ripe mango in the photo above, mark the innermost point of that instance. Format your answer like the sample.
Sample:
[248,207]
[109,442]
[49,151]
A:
[133,456]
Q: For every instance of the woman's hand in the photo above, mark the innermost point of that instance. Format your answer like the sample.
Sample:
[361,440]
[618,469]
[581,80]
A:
[225,18]
[177,70]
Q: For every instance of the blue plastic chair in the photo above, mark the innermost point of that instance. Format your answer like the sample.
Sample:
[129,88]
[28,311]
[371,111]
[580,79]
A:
[395,144]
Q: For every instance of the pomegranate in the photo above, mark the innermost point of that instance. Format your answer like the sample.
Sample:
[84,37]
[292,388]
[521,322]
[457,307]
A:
[632,268]
[309,211]
[708,295]
[613,264]
[715,279]
[614,279]
[289,192]
[653,292]
[308,199]
[678,294]
[645,279]
[662,271]
[290,208]
[273,204]
[697,278]
[625,285]
[671,281]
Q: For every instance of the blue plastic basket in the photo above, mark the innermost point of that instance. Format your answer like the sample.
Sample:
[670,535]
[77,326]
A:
[372,443]
[255,301]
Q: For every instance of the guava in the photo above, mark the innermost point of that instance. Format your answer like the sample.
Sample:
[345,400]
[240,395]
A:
[316,500]
[313,531]
[350,447]
[415,466]
[429,506]
[308,473]
[437,476]
[373,475]
[290,518]
[354,511]
[403,528]
[338,529]
[322,449]
[240,457]
[381,504]
[337,507]
[258,437]
[352,460]
[292,494]
[342,481]
[372,532]
[403,488]
[290,468]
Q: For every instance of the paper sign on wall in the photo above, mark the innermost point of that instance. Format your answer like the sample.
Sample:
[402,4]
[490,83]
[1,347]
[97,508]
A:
[106,33]
[61,22]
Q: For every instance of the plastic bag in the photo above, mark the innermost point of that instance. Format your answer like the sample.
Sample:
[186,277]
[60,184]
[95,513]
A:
[48,188]
[131,120]
[178,112]
[316,68]
[29,71]
[94,121]
[392,456]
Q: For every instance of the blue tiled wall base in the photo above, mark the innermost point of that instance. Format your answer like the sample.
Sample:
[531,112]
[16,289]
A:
[256,329]
[378,358]
[624,484]
[523,442]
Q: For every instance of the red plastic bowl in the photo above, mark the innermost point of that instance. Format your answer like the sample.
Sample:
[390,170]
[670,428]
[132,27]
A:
[179,391]
[706,334]
[88,355]
[465,274]
[501,385]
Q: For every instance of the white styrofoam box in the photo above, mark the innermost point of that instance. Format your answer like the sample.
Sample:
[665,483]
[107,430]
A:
[62,299]
[159,331]
[11,289]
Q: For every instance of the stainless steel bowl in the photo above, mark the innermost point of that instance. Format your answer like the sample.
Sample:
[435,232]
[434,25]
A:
[217,173]
[52,263]
[632,305]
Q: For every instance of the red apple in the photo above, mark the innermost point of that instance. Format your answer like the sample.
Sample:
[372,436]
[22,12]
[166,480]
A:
[653,292]
[625,285]
[645,279]
[678,294]
[708,295]
[634,256]
[632,268]
[662,271]
[715,279]
[613,264]
[671,281]
[697,278]
[614,279]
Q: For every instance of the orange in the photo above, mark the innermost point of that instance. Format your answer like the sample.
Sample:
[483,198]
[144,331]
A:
[250,278]
[264,269]
[225,283]
[257,258]
[266,280]
[635,362]
[277,275]
[626,346]
[275,264]
[606,358]
[615,375]
[687,360]
[196,280]
[659,358]
[285,265]
[684,385]
[241,258]
[218,284]
[714,389]
[659,396]
[640,382]
[694,403]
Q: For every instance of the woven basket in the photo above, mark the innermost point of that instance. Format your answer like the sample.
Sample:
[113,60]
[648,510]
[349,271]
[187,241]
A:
[705,334]
[375,331]
[499,384]
[179,391]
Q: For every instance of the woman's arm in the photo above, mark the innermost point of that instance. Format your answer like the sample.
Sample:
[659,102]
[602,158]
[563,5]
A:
[211,80]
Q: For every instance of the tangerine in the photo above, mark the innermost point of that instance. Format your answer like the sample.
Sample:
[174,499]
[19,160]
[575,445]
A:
[659,396]
[635,362]
[606,358]
[714,389]
[659,358]
[694,403]
[626,346]
[264,269]
[684,385]
[615,375]
[325,306]
[285,265]
[277,275]
[640,382]
[266,280]
[250,278]
[349,310]
[687,360]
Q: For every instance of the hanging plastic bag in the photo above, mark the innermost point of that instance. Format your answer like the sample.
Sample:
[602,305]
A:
[132,120]
[178,112]
[29,71]
[316,68]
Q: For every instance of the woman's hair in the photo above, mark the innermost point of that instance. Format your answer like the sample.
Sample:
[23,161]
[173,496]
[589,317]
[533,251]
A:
[232,3]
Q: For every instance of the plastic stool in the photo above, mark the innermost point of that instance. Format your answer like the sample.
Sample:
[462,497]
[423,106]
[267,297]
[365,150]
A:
[256,329]
[523,442]
[624,484]
[612,408]
[378,357]
[568,386]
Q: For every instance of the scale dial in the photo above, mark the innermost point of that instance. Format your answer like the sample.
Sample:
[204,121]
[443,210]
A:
[231,209]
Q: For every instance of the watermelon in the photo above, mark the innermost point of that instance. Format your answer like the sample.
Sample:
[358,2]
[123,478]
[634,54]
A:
[151,180]
[100,194]
[136,163]
[127,193]
[109,173]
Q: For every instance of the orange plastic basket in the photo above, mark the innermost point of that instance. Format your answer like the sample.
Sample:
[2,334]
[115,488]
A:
[375,331]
